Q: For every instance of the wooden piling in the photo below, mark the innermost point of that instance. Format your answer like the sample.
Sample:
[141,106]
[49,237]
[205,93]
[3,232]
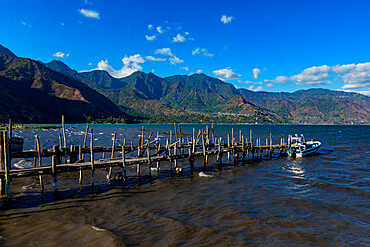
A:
[54,173]
[10,128]
[92,159]
[228,148]
[64,133]
[40,161]
[5,163]
[112,154]
[85,140]
[124,162]
[149,162]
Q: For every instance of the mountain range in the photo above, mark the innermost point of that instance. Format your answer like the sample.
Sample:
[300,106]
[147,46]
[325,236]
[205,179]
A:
[37,92]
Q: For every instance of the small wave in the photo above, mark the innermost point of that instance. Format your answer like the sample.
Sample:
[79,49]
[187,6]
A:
[202,174]
[23,164]
[97,229]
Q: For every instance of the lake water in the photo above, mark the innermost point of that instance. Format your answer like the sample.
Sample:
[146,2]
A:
[322,200]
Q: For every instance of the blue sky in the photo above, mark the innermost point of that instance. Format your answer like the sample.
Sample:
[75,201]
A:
[259,45]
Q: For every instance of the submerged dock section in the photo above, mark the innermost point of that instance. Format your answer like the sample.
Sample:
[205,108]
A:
[146,157]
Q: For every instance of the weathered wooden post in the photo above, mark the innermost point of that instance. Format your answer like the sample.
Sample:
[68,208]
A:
[124,162]
[10,128]
[243,150]
[5,164]
[149,161]
[112,155]
[158,162]
[40,161]
[220,154]
[79,153]
[54,173]
[142,137]
[191,161]
[85,140]
[204,152]
[73,154]
[64,133]
[92,159]
[228,148]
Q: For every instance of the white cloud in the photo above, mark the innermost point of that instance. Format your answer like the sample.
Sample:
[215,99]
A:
[25,24]
[259,88]
[185,68]
[164,51]
[367,93]
[281,79]
[150,26]
[256,72]
[199,71]
[151,58]
[90,64]
[133,61]
[90,13]
[159,29]
[226,74]
[60,54]
[130,65]
[176,60]
[150,38]
[355,76]
[269,85]
[179,38]
[226,19]
[315,75]
[186,33]
[202,51]
[341,69]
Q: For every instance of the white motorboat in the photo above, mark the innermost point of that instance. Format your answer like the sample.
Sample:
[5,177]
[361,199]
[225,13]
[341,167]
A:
[299,147]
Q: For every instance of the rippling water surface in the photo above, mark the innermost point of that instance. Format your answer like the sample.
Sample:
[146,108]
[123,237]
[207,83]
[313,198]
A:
[320,200]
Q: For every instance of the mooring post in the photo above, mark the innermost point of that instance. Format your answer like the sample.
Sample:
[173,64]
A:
[64,133]
[220,154]
[158,162]
[2,165]
[228,148]
[142,137]
[54,173]
[40,161]
[92,159]
[5,164]
[124,161]
[10,128]
[175,153]
[243,150]
[177,138]
[85,140]
[213,135]
[79,153]
[204,152]
[149,161]
[112,155]
[191,161]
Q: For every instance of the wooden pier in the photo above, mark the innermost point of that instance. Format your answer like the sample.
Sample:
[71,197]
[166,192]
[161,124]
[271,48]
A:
[146,156]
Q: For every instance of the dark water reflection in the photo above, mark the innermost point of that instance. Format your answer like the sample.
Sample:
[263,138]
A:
[320,200]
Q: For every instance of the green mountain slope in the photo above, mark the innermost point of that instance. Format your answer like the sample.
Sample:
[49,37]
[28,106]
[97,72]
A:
[33,93]
[147,95]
